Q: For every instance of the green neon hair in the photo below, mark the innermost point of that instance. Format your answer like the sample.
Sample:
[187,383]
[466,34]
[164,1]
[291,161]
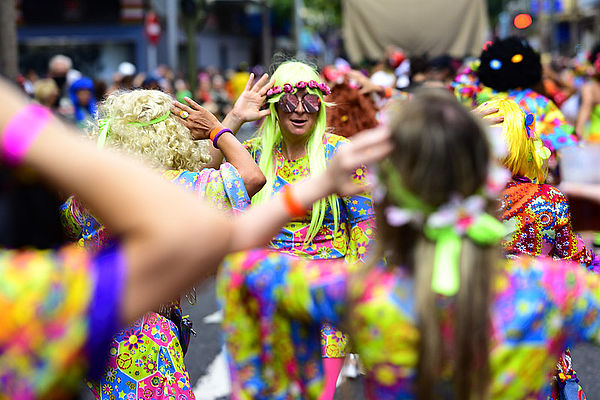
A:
[270,135]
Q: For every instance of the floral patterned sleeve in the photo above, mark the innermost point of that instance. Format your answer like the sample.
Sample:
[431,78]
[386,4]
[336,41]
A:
[568,244]
[273,306]
[361,221]
[224,188]
[576,292]
[51,301]
[72,218]
[554,128]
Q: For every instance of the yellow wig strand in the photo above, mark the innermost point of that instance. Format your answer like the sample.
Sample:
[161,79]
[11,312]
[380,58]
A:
[522,158]
[270,135]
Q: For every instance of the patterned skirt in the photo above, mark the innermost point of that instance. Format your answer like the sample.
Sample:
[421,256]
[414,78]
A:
[145,362]
[333,342]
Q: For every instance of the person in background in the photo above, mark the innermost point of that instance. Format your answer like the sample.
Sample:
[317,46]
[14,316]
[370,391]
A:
[83,97]
[46,92]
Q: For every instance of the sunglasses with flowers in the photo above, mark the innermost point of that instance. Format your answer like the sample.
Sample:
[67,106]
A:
[289,102]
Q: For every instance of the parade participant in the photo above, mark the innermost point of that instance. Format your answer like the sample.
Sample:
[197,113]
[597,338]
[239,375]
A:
[537,215]
[352,111]
[82,96]
[447,317]
[511,68]
[293,144]
[79,300]
[141,123]
[590,103]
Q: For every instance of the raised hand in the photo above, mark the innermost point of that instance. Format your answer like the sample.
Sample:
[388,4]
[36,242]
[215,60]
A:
[484,111]
[196,118]
[366,147]
[248,106]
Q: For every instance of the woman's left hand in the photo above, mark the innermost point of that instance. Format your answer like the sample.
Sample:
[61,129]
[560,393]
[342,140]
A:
[196,118]
[364,148]
[248,106]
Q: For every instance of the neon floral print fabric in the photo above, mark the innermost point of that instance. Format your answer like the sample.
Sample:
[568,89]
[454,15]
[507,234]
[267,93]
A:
[538,219]
[51,301]
[224,188]
[146,359]
[553,128]
[351,241]
[356,228]
[273,306]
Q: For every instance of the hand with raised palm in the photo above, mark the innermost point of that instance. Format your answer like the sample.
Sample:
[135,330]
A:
[248,106]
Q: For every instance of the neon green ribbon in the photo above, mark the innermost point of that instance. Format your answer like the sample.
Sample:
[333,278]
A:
[485,230]
[445,278]
[153,121]
[104,126]
[399,194]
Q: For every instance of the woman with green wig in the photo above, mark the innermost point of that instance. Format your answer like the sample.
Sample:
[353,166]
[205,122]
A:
[292,144]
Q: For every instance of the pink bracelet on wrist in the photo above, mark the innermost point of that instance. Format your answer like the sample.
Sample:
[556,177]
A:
[21,131]
[218,135]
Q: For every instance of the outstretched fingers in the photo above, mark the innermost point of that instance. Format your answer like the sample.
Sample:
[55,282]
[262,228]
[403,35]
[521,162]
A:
[266,85]
[249,82]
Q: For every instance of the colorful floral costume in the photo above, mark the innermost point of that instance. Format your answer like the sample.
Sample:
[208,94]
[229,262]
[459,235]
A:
[274,304]
[539,223]
[553,128]
[350,241]
[51,302]
[146,359]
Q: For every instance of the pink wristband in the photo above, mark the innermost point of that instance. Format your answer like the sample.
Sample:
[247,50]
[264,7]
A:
[20,132]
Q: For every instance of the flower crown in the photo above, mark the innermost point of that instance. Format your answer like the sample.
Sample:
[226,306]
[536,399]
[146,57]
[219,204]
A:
[289,88]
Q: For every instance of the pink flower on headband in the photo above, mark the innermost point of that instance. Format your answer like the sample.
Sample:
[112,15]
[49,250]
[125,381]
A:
[288,88]
[313,84]
[277,89]
[323,88]
[301,84]
[269,92]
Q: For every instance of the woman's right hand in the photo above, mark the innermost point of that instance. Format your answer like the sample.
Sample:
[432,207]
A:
[198,120]
[484,111]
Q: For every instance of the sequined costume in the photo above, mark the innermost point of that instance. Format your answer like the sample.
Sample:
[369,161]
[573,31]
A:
[349,242]
[539,223]
[145,360]
[274,304]
[553,128]
[52,302]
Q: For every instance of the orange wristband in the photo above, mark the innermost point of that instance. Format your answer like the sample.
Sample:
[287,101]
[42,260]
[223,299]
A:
[214,132]
[292,205]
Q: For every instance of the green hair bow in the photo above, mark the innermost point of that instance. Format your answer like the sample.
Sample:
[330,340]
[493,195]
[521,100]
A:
[445,225]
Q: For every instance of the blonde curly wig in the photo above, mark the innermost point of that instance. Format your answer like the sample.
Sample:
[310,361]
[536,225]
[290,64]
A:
[167,144]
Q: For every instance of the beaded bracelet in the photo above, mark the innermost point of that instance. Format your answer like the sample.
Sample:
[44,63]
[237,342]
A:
[292,205]
[216,134]
[21,131]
